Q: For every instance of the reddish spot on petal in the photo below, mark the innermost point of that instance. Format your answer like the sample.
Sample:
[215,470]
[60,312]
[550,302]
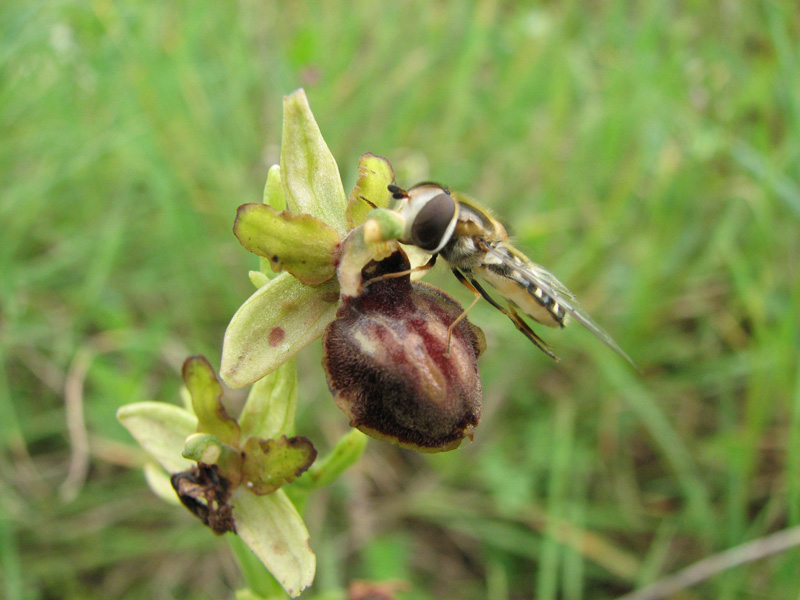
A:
[280,548]
[276,336]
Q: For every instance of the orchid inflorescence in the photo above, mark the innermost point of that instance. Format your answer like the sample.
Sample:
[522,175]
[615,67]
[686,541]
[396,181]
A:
[330,267]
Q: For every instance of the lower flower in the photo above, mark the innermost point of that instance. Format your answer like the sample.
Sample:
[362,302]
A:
[205,493]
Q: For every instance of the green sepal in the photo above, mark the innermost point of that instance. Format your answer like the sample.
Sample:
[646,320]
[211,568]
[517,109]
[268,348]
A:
[268,464]
[300,244]
[271,404]
[311,181]
[206,395]
[371,189]
[273,529]
[161,429]
[276,322]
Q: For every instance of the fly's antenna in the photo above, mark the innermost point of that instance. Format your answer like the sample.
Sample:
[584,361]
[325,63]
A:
[397,192]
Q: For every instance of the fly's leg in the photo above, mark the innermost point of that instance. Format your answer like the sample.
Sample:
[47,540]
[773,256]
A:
[426,267]
[460,276]
[520,324]
[530,334]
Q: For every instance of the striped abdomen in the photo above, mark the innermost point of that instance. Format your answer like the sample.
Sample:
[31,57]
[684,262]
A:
[517,288]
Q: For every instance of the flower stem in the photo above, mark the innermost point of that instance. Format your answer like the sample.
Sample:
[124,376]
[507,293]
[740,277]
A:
[344,454]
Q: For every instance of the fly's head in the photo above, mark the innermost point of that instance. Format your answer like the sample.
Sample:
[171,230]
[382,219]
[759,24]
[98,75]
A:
[430,214]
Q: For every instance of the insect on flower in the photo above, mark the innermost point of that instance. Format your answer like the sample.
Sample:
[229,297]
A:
[475,244]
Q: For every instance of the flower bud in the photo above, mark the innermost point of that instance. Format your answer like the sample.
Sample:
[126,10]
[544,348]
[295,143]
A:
[388,365]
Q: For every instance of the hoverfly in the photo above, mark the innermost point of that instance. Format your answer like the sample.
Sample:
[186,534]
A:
[475,244]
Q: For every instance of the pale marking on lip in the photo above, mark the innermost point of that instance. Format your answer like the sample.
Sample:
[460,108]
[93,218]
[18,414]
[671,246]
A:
[365,344]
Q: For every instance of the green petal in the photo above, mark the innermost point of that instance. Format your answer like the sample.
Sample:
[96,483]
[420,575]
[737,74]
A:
[161,429]
[273,195]
[311,180]
[268,464]
[207,400]
[276,322]
[272,528]
[258,278]
[270,407]
[300,244]
[374,175]
[273,189]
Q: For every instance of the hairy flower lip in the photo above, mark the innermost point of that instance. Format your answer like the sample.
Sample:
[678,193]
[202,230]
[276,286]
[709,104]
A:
[386,361]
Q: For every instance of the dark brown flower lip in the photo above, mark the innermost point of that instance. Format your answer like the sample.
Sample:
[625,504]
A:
[388,367]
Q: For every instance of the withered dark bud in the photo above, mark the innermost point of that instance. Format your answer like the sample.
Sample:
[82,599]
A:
[388,367]
[205,493]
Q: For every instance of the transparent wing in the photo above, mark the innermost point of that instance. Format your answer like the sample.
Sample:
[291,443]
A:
[550,285]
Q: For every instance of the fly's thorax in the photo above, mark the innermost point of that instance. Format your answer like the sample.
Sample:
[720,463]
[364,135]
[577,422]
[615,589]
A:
[475,228]
[463,252]
[430,213]
[477,221]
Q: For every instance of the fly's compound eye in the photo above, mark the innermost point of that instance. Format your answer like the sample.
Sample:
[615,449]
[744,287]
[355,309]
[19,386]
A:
[432,222]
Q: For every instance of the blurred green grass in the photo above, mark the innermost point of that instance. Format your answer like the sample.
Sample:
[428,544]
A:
[648,153]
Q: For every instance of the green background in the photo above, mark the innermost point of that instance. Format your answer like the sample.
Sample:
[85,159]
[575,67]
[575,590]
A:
[648,153]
